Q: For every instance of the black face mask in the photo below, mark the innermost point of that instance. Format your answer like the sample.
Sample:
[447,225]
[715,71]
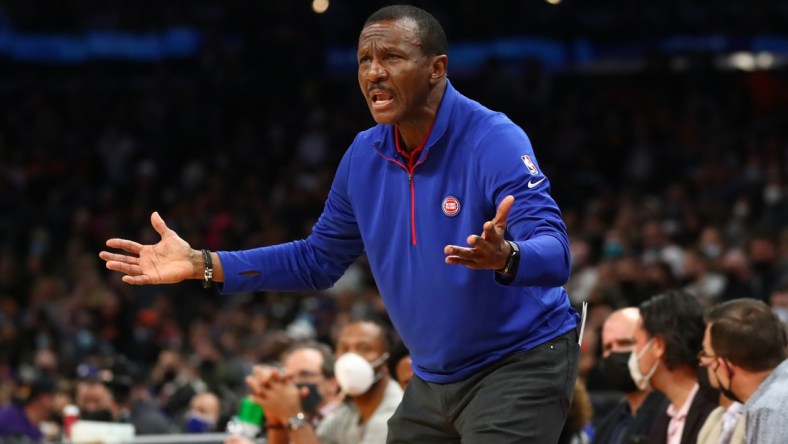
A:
[705,388]
[616,369]
[169,375]
[98,415]
[312,399]
[727,391]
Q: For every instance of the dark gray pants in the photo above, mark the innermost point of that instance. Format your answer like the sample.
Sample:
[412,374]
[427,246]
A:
[522,398]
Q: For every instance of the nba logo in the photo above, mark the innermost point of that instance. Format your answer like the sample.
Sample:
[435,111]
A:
[529,164]
[451,206]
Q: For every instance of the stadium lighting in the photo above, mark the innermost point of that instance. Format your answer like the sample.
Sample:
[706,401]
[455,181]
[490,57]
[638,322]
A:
[320,6]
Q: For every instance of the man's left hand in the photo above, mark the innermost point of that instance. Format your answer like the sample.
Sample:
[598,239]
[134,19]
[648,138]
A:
[488,251]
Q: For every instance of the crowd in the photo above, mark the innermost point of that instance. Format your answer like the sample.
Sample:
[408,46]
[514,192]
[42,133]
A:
[667,181]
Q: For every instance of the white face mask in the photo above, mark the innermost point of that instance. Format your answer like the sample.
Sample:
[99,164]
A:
[355,375]
[641,380]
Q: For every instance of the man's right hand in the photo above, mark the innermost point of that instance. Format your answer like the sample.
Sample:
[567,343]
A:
[169,261]
[276,392]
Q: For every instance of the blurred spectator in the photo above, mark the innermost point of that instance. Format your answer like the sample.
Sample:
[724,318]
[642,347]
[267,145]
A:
[763,253]
[176,381]
[311,366]
[204,413]
[779,300]
[362,350]
[114,394]
[400,364]
[739,277]
[701,280]
[21,421]
[576,427]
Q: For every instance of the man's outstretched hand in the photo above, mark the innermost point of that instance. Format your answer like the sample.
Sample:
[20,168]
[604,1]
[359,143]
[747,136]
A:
[169,261]
[488,251]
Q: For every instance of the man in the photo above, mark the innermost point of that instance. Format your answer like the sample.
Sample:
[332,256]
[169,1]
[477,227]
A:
[744,350]
[437,168]
[19,421]
[400,365]
[311,365]
[205,410]
[113,395]
[670,328]
[630,421]
[362,347]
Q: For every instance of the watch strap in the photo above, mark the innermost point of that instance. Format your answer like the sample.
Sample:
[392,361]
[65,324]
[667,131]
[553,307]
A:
[513,261]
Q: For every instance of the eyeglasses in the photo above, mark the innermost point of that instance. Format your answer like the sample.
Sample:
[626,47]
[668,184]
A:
[702,356]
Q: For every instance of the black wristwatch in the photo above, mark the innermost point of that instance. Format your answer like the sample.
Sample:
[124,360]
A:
[513,261]
[296,421]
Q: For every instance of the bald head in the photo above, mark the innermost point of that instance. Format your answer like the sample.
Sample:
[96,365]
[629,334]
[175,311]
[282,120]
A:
[618,332]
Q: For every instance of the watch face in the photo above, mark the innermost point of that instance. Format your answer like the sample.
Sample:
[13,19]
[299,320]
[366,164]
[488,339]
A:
[297,421]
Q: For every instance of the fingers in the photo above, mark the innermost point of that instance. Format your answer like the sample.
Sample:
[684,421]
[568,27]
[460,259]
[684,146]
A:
[137,280]
[158,223]
[503,211]
[456,260]
[261,378]
[123,258]
[125,245]
[126,268]
[485,251]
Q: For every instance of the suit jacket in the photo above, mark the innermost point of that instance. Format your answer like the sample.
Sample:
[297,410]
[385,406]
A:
[637,426]
[698,412]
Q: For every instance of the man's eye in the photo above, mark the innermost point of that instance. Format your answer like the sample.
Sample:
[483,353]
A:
[364,59]
[392,56]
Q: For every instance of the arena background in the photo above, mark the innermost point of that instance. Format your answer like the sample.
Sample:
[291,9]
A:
[663,127]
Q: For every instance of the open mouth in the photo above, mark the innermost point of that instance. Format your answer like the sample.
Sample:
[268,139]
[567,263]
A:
[381,99]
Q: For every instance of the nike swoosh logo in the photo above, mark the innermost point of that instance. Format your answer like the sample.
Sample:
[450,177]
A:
[533,184]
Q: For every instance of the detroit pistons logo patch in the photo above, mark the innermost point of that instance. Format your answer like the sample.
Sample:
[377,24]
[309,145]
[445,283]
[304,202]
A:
[451,206]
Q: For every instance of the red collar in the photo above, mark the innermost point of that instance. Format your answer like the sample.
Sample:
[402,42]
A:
[411,157]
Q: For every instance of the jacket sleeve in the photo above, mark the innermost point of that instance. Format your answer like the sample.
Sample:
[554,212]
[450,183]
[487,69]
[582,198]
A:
[314,263]
[507,165]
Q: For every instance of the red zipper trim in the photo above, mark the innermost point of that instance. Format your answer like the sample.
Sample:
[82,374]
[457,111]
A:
[410,169]
[412,164]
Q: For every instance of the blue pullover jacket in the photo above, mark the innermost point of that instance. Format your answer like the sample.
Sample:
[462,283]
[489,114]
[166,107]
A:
[454,320]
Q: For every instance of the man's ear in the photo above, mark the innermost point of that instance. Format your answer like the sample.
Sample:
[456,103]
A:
[438,68]
[659,346]
[730,367]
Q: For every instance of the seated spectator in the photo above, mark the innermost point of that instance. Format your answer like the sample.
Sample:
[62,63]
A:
[114,395]
[400,365]
[779,300]
[745,351]
[20,420]
[577,425]
[311,366]
[631,420]
[670,329]
[362,349]
[205,409]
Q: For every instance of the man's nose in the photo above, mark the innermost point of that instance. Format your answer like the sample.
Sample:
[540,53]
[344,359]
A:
[376,71]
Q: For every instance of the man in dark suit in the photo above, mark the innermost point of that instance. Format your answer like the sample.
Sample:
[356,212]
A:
[629,422]
[669,335]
